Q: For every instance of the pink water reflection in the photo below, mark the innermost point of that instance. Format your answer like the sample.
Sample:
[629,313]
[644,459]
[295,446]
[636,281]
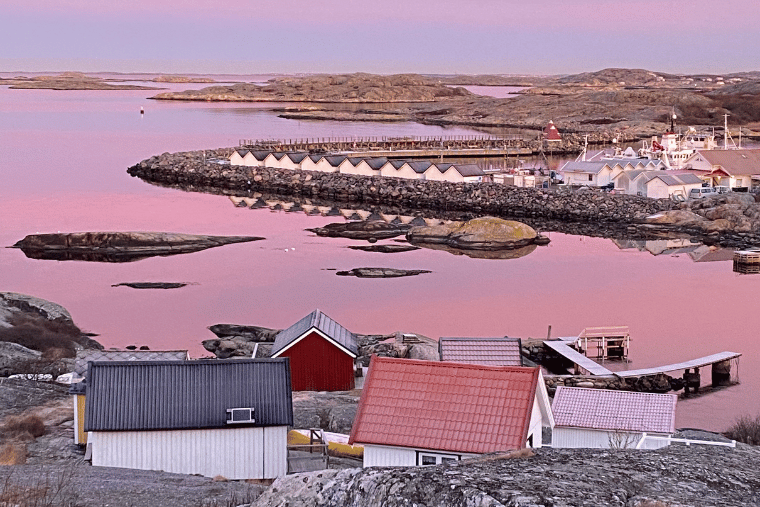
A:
[63,169]
[668,302]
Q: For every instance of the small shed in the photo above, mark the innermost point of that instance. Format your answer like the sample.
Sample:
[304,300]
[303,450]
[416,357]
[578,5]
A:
[486,351]
[205,417]
[415,412]
[602,418]
[604,342]
[84,357]
[321,352]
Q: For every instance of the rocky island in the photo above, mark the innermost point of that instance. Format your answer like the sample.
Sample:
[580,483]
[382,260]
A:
[119,246]
[623,103]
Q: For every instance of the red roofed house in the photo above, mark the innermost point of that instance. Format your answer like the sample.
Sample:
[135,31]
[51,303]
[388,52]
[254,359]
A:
[551,133]
[427,412]
[601,418]
[321,353]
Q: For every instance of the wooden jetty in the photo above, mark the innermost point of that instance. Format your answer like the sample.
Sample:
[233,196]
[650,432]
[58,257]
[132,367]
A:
[747,261]
[582,364]
[410,146]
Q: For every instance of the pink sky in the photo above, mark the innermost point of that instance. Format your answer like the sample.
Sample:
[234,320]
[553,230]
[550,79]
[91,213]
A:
[446,36]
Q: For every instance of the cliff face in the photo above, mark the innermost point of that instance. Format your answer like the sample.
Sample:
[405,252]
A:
[684,476]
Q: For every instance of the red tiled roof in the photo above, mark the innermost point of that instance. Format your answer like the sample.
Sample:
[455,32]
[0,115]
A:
[485,351]
[604,409]
[443,406]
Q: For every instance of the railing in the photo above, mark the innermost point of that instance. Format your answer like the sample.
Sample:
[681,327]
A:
[316,445]
[687,441]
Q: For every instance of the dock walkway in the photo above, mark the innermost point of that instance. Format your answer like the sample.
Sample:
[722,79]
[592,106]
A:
[592,367]
[694,363]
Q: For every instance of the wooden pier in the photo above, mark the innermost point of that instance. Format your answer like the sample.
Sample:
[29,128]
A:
[747,261]
[411,146]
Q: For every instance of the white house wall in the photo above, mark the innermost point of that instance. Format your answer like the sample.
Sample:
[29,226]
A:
[234,453]
[388,456]
[572,438]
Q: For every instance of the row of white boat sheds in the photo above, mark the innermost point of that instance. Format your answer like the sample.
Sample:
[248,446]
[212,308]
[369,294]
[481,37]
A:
[363,166]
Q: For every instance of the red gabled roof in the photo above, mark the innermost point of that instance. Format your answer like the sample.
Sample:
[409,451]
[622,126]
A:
[445,406]
[551,133]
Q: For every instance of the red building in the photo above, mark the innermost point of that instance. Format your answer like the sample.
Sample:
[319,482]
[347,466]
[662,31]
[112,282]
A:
[321,352]
[551,133]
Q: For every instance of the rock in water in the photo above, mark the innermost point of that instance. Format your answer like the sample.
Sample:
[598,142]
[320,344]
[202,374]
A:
[119,246]
[381,272]
[151,285]
[478,236]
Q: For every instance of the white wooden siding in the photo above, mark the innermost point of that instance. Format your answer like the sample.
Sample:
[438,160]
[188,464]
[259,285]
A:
[234,453]
[571,438]
[388,456]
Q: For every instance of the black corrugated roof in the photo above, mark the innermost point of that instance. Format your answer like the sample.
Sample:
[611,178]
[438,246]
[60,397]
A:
[325,324]
[161,395]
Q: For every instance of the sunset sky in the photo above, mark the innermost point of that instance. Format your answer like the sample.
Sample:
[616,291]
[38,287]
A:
[382,36]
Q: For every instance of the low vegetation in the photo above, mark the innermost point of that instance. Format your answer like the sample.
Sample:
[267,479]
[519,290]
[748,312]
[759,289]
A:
[746,429]
[38,491]
[54,338]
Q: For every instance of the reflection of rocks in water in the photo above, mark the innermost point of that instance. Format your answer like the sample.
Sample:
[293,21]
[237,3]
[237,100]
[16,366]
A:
[119,246]
[361,230]
[384,248]
[512,253]
[484,238]
[151,285]
[381,272]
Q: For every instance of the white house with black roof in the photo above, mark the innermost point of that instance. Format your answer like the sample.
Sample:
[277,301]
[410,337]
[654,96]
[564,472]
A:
[207,417]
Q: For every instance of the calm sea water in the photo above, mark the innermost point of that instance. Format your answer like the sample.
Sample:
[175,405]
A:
[63,161]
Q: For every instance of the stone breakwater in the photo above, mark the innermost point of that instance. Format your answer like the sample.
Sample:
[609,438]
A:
[191,170]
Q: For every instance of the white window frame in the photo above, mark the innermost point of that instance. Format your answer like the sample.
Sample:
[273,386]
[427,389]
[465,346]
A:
[437,456]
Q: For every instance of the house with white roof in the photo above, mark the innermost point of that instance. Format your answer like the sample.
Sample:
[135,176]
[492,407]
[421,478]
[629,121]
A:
[415,412]
[602,418]
[587,173]
[665,184]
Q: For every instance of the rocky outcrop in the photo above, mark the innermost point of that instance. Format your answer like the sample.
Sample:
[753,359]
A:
[119,246]
[381,272]
[486,237]
[240,341]
[353,88]
[69,81]
[362,230]
[330,411]
[37,336]
[13,302]
[691,476]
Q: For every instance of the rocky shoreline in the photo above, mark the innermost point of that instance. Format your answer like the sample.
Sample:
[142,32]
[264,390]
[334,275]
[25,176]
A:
[731,220]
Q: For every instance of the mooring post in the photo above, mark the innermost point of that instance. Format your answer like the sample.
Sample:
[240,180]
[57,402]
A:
[549,333]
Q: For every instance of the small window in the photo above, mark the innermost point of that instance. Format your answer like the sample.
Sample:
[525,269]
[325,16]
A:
[448,460]
[427,460]
[591,177]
